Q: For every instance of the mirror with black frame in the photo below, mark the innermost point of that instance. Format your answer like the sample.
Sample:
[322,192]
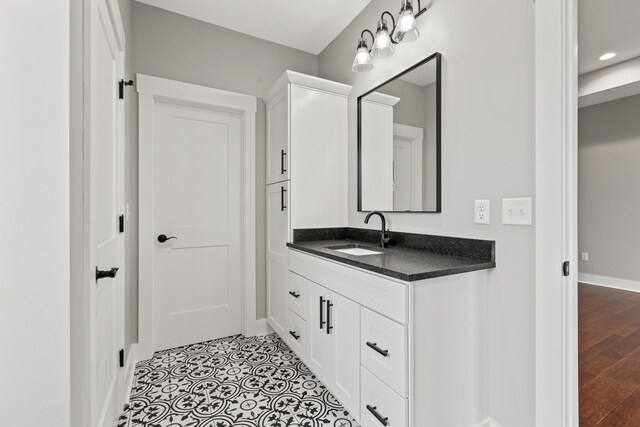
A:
[399,142]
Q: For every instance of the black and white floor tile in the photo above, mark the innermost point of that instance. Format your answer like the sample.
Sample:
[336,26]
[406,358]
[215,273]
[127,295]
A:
[234,381]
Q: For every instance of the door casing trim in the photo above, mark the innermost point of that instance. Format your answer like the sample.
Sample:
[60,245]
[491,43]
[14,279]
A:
[151,89]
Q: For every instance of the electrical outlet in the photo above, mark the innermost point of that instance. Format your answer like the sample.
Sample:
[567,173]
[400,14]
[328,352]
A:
[585,256]
[482,212]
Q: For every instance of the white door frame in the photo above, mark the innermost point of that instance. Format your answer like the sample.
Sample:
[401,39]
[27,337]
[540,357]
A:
[556,213]
[150,90]
[415,136]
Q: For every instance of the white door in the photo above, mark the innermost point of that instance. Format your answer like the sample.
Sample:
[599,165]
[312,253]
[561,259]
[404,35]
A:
[106,202]
[319,341]
[344,317]
[197,205]
[277,262]
[278,138]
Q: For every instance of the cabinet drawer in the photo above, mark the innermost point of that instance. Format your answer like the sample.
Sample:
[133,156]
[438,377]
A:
[378,399]
[380,294]
[296,334]
[296,294]
[383,349]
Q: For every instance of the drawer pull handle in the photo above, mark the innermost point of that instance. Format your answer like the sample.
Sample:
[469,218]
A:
[374,346]
[293,294]
[294,335]
[383,420]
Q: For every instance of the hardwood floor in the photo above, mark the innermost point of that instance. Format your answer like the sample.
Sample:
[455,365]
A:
[609,357]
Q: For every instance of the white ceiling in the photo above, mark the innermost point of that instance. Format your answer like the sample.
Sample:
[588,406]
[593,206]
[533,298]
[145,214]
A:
[301,24]
[607,26]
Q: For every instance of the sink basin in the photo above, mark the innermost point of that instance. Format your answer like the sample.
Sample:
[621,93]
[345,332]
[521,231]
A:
[356,250]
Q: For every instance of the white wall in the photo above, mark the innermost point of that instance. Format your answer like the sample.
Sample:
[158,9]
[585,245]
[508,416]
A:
[488,147]
[34,213]
[609,188]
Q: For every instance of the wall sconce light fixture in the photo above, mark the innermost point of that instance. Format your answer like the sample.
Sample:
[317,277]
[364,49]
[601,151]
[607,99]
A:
[403,30]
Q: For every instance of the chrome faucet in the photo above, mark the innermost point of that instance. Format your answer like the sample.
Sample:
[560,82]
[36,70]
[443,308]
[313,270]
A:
[385,234]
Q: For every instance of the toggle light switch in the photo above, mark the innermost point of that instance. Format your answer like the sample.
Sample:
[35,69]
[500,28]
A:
[516,211]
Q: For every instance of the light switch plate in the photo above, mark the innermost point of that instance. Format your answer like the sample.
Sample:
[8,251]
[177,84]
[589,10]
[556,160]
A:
[482,212]
[585,256]
[516,211]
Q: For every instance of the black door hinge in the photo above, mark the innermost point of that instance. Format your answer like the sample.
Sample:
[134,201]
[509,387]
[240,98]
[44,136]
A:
[121,85]
[121,357]
[566,268]
[121,223]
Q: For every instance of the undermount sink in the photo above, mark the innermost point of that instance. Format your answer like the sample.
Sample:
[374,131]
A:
[356,250]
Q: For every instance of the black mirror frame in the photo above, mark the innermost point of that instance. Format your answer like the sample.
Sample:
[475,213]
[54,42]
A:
[437,56]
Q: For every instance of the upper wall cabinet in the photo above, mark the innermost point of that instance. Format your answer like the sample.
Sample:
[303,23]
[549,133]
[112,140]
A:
[307,131]
[278,137]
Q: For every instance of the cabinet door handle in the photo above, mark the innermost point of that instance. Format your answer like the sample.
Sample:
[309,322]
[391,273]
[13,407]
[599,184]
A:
[322,322]
[374,346]
[282,168]
[329,327]
[282,205]
[383,420]
[294,335]
[293,294]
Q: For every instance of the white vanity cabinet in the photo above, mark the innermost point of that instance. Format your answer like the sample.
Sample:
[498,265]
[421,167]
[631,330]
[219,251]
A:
[307,142]
[333,353]
[402,354]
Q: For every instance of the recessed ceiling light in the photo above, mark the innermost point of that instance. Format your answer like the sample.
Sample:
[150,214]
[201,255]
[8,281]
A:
[607,56]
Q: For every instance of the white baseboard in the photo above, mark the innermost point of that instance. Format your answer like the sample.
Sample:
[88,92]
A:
[262,328]
[130,368]
[609,282]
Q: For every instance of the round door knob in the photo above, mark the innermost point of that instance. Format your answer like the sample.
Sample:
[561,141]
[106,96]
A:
[163,238]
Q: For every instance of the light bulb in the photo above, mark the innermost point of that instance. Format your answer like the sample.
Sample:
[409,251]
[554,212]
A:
[407,28]
[382,45]
[362,61]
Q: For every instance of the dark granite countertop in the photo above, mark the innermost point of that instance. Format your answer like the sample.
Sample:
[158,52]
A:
[414,257]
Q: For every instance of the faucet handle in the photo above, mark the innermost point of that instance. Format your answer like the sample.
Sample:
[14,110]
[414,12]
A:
[386,238]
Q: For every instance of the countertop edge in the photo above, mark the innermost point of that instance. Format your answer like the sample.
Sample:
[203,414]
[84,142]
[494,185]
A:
[482,265]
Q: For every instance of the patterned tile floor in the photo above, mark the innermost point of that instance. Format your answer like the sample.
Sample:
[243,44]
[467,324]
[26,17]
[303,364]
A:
[234,381]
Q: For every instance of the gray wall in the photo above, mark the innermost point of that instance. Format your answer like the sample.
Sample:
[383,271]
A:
[487,153]
[609,188]
[168,45]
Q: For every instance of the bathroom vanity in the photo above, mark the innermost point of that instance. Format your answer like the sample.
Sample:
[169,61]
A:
[397,333]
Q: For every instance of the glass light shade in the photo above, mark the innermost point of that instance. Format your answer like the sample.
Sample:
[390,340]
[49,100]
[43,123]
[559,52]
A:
[362,61]
[407,27]
[382,46]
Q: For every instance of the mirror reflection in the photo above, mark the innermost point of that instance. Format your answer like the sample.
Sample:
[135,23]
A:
[399,142]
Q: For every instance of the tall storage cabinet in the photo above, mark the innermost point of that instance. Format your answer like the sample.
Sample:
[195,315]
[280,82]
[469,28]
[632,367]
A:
[307,131]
